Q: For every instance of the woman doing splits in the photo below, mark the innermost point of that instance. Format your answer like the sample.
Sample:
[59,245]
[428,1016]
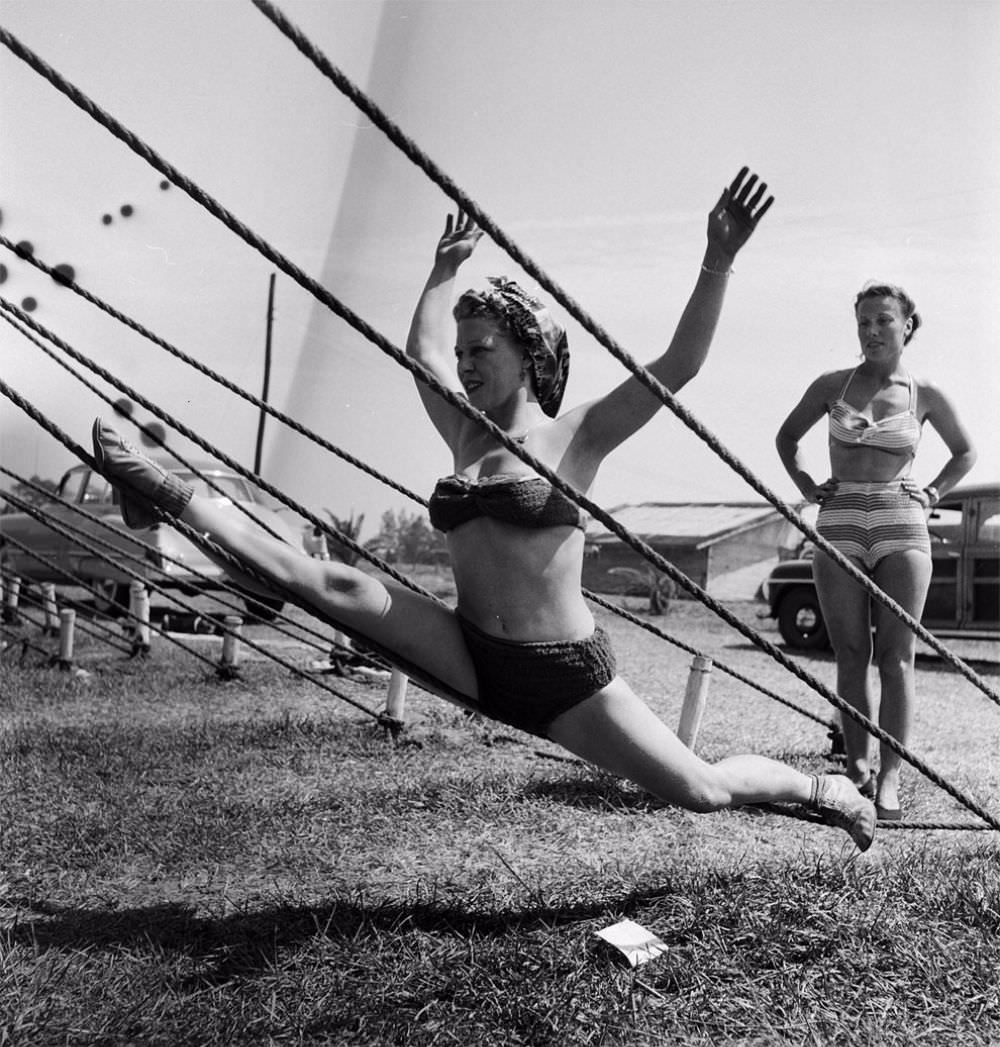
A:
[874,512]
[522,641]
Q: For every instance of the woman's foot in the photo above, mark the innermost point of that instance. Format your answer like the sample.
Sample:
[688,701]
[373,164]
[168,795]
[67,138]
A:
[887,800]
[839,803]
[145,489]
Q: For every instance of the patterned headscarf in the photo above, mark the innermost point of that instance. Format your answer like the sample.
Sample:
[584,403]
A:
[532,326]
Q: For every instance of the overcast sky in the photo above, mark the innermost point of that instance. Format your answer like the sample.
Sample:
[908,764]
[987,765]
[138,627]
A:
[597,133]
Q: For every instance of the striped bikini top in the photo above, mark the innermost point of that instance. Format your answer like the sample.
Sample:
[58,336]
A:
[898,433]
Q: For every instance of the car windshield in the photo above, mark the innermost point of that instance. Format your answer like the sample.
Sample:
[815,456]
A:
[222,486]
[83,486]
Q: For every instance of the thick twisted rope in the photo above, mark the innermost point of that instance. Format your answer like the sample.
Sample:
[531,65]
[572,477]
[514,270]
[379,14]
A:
[102,632]
[215,376]
[238,506]
[423,375]
[415,672]
[418,673]
[184,430]
[91,544]
[327,445]
[462,405]
[655,631]
[90,547]
[413,152]
[115,554]
[180,458]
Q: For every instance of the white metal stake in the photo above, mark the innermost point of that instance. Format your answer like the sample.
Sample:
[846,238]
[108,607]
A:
[138,605]
[396,702]
[67,627]
[695,697]
[51,609]
[11,598]
[230,644]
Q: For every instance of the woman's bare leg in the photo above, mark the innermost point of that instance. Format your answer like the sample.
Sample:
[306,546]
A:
[417,628]
[845,606]
[618,732]
[905,576]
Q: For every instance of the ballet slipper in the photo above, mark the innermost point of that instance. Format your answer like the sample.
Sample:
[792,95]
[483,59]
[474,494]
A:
[839,803]
[145,491]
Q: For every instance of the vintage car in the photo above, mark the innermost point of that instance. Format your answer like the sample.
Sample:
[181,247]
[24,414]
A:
[964,597]
[156,547]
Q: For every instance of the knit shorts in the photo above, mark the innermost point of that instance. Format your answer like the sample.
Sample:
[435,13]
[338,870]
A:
[870,521]
[528,685]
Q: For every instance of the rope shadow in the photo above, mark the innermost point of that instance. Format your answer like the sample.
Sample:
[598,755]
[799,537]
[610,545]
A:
[244,944]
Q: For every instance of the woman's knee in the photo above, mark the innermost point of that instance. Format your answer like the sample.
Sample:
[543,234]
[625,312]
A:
[853,653]
[895,662]
[347,586]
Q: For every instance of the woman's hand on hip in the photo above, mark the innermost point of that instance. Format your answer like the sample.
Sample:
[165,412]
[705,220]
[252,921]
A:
[919,494]
[823,492]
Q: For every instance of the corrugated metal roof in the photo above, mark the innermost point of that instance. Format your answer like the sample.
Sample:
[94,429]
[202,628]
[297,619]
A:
[685,523]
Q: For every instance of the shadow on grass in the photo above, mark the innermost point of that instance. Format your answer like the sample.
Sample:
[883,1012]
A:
[245,943]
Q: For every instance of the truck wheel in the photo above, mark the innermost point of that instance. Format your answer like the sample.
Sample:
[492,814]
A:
[114,597]
[262,608]
[800,621]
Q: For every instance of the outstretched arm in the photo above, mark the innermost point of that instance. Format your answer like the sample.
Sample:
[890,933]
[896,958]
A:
[606,422]
[431,340]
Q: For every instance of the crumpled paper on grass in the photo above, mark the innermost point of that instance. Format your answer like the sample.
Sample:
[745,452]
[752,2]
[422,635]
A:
[633,941]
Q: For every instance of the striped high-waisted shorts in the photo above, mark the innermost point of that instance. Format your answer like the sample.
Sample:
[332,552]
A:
[869,521]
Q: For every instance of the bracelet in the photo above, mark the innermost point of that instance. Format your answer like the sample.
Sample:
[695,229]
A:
[932,495]
[717,272]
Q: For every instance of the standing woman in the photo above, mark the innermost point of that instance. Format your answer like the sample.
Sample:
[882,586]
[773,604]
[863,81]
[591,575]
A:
[522,642]
[874,512]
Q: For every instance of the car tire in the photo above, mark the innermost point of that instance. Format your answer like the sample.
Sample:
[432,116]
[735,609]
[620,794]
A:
[262,608]
[114,598]
[800,621]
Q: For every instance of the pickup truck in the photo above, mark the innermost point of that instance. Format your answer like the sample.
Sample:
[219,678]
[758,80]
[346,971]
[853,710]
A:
[70,560]
[964,596]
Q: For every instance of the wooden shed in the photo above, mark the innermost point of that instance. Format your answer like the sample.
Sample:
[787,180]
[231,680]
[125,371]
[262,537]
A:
[725,547]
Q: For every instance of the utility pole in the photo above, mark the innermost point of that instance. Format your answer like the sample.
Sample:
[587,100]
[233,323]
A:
[267,375]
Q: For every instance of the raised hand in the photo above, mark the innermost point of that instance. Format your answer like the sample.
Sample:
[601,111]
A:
[737,213]
[458,241]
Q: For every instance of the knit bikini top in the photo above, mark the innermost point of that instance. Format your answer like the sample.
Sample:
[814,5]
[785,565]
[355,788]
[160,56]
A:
[898,433]
[525,501]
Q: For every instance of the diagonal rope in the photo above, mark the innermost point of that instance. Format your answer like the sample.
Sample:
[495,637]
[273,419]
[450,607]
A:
[143,563]
[415,672]
[413,152]
[184,430]
[418,673]
[107,399]
[327,445]
[260,648]
[215,376]
[98,630]
[460,404]
[93,590]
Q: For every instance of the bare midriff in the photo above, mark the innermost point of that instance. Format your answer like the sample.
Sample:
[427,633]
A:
[520,583]
[862,464]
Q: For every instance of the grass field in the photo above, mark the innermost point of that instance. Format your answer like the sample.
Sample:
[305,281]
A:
[188,860]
